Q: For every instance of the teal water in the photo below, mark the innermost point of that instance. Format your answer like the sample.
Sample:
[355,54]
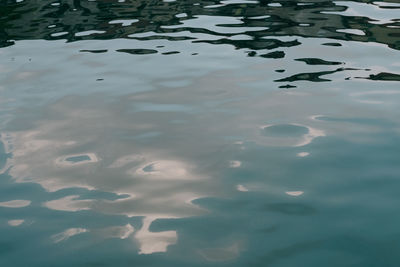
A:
[199,133]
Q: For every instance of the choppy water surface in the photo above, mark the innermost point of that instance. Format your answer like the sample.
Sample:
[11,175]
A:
[199,133]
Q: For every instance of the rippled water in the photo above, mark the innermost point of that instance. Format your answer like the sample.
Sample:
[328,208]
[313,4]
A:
[199,133]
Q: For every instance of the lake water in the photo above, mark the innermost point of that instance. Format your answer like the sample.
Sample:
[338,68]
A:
[200,133]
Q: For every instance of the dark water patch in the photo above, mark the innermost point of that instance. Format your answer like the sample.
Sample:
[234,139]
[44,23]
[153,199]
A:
[138,51]
[95,51]
[117,19]
[317,61]
[384,76]
[287,86]
[276,54]
[280,71]
[3,155]
[289,251]
[332,44]
[285,130]
[257,44]
[171,53]
[163,37]
[315,76]
[7,247]
[220,204]
[148,168]
[312,76]
[291,209]
[76,159]
[270,229]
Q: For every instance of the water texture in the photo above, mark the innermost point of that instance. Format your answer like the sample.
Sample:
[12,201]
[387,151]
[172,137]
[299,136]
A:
[199,133]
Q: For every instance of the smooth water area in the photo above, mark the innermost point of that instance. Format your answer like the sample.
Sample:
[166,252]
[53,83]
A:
[199,133]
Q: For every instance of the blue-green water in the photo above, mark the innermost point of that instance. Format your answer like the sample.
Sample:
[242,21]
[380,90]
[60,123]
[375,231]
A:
[200,133]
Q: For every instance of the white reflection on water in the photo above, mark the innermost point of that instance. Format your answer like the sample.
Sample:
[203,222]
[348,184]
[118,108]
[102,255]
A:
[294,193]
[352,31]
[121,232]
[56,34]
[241,188]
[303,154]
[376,97]
[15,203]
[310,136]
[163,169]
[375,14]
[86,33]
[371,102]
[235,163]
[31,143]
[69,203]
[123,22]
[151,242]
[124,160]
[375,92]
[67,234]
[157,185]
[213,23]
[15,222]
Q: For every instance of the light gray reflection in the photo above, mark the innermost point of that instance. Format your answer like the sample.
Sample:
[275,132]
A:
[151,242]
[121,232]
[374,13]
[123,22]
[15,203]
[15,222]
[212,23]
[69,203]
[294,193]
[159,183]
[241,188]
[91,142]
[67,234]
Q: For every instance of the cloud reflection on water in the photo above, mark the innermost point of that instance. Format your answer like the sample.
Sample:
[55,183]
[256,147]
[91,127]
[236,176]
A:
[15,203]
[153,185]
[67,234]
[151,242]
[15,222]
[90,142]
[163,152]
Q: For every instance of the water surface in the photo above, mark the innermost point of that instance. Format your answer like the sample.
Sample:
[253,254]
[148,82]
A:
[199,133]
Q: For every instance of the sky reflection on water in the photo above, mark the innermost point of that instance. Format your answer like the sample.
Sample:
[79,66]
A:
[199,133]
